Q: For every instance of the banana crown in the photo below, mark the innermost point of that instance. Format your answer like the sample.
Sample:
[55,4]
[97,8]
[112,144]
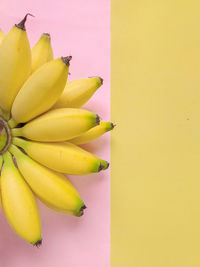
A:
[42,125]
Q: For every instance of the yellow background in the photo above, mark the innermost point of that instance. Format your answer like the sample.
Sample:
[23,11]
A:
[155,170]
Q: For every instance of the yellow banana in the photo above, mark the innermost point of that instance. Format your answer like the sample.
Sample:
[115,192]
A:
[58,125]
[41,90]
[93,133]
[48,185]
[19,203]
[78,92]
[2,35]
[42,52]
[15,64]
[62,157]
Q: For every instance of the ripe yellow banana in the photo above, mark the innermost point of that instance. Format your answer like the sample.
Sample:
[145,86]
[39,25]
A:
[58,125]
[62,157]
[48,185]
[93,133]
[19,203]
[78,92]
[41,90]
[15,64]
[42,52]
[2,35]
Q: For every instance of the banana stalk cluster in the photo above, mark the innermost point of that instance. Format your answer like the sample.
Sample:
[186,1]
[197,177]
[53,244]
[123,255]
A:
[42,125]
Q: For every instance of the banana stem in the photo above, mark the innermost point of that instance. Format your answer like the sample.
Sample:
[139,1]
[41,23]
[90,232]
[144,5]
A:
[12,123]
[14,150]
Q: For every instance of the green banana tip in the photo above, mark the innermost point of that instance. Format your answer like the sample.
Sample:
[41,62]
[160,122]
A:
[21,24]
[38,243]
[81,211]
[66,60]
[107,165]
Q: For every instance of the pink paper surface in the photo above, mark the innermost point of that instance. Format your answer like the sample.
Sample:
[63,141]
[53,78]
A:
[81,29]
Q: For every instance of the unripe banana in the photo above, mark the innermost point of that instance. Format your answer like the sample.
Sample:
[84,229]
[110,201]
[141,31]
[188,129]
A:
[19,203]
[93,133]
[1,161]
[48,185]
[42,52]
[2,35]
[15,64]
[78,92]
[58,125]
[3,138]
[41,90]
[62,157]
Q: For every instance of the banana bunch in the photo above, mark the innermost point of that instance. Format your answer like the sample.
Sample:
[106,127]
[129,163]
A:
[42,124]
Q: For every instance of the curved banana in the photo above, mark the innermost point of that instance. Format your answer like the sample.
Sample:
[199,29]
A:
[48,185]
[42,52]
[58,125]
[19,203]
[62,157]
[93,133]
[2,35]
[41,90]
[78,92]
[15,64]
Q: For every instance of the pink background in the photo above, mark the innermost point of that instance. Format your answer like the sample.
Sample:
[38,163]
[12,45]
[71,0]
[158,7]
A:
[81,29]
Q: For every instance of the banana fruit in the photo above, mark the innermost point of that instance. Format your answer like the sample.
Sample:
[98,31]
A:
[62,157]
[15,64]
[42,52]
[58,125]
[78,92]
[41,90]
[19,203]
[93,133]
[48,185]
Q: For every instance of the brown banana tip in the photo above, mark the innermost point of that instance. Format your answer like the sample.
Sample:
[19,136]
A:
[97,119]
[46,33]
[38,243]
[112,126]
[100,167]
[101,80]
[21,25]
[66,60]
[108,164]
[83,208]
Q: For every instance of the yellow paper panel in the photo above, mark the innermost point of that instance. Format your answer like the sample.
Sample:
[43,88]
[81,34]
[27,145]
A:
[155,170]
